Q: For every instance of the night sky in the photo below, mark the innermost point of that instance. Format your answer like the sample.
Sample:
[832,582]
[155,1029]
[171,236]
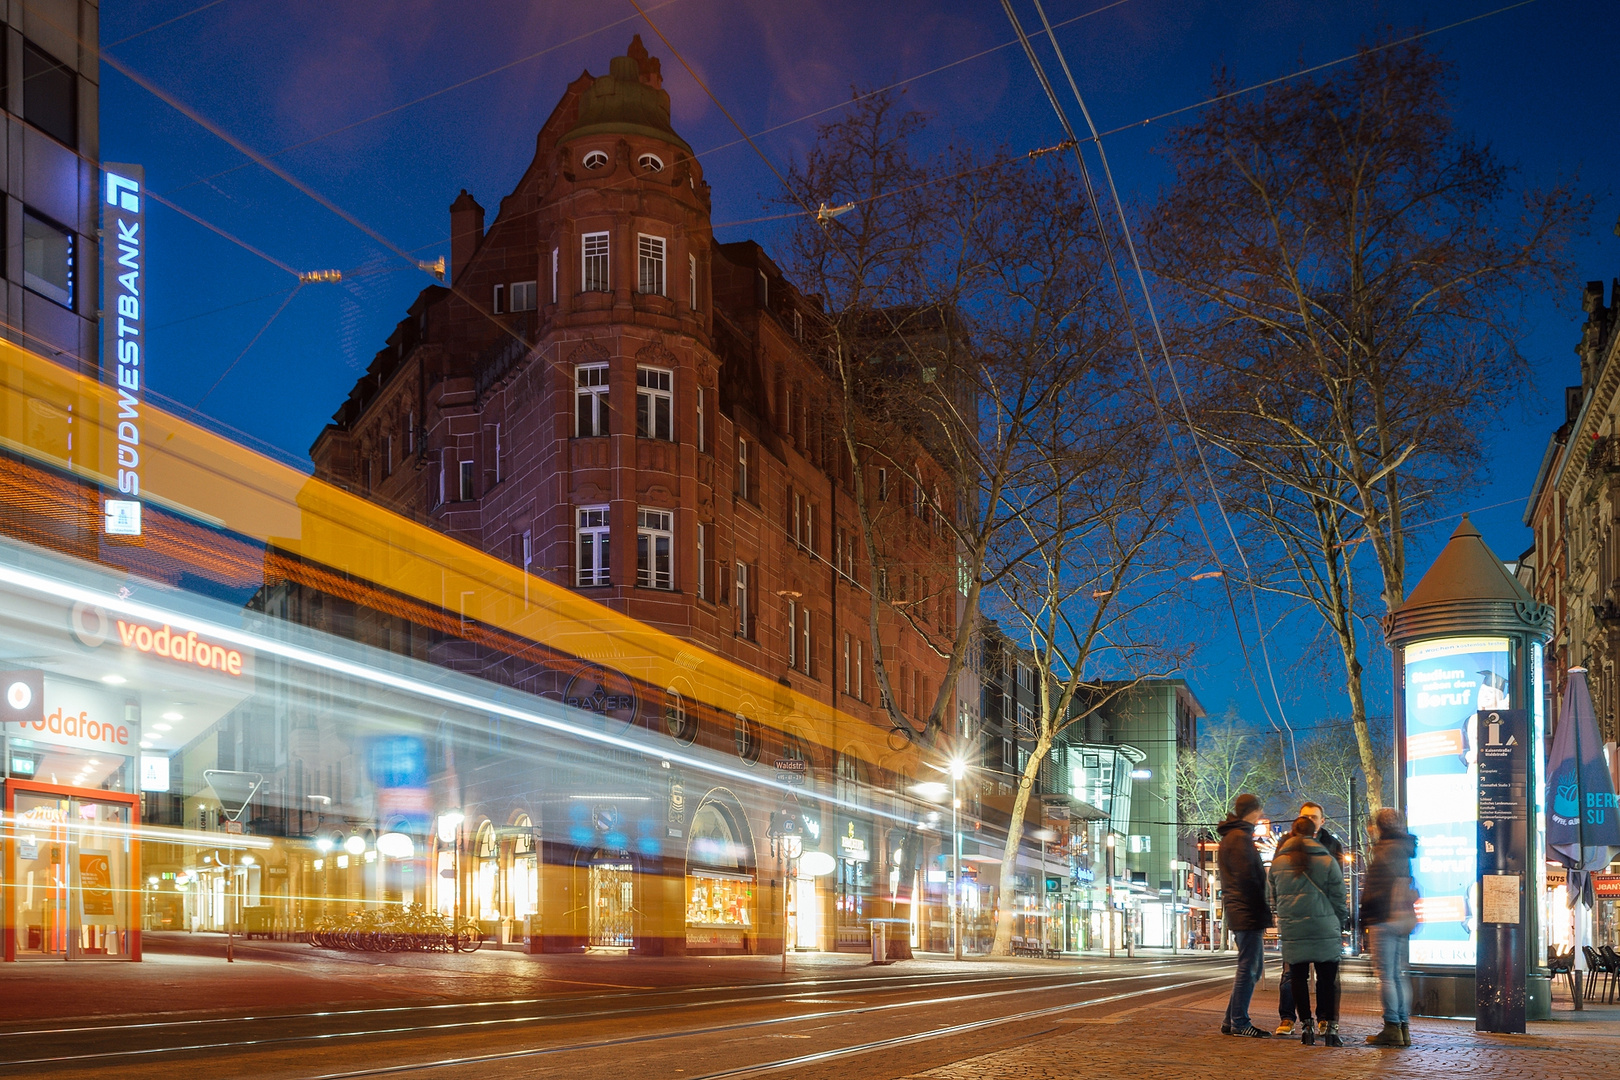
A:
[306,82]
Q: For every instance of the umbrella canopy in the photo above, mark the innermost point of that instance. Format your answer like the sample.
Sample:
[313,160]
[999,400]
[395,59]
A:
[1584,823]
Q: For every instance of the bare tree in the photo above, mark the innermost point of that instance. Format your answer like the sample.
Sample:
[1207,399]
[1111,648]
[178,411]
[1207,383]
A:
[1232,759]
[1351,266]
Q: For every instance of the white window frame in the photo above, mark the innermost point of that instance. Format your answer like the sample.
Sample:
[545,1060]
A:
[742,467]
[860,669]
[702,562]
[528,548]
[497,302]
[651,252]
[810,526]
[798,520]
[596,257]
[691,284]
[806,642]
[740,587]
[465,478]
[702,421]
[586,385]
[793,634]
[655,403]
[554,263]
[523,296]
[594,159]
[883,484]
[655,529]
[846,661]
[591,523]
[657,163]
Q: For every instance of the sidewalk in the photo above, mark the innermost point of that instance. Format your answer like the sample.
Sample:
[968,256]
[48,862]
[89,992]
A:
[1179,1036]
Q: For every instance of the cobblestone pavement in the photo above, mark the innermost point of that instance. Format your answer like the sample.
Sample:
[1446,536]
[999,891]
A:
[1179,1037]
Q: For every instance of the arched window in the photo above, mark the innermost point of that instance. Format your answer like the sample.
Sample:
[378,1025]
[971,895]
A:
[747,736]
[651,162]
[486,879]
[795,747]
[595,160]
[525,869]
[679,719]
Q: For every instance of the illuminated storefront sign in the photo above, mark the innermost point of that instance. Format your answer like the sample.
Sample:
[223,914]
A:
[185,648]
[1447,681]
[123,338]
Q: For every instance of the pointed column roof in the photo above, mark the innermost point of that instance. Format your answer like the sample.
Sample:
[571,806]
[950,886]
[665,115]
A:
[1467,590]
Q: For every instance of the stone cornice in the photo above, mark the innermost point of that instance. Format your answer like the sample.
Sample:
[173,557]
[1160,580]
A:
[1600,403]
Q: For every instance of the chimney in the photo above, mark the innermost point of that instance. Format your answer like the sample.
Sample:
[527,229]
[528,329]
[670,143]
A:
[466,232]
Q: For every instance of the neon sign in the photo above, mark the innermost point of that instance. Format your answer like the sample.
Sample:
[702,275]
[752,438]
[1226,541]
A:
[123,325]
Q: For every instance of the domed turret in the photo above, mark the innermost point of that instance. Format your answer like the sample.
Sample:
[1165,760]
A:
[628,100]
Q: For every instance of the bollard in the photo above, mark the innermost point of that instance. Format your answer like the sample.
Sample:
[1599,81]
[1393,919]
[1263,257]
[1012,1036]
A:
[878,944]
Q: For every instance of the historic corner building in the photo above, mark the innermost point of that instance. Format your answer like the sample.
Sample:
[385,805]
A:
[604,396]
[1574,564]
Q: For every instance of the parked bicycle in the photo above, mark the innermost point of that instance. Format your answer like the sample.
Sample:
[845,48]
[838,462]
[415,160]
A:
[412,928]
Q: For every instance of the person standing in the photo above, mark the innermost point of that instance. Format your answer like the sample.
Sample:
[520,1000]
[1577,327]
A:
[1285,985]
[1306,889]
[1243,900]
[1388,909]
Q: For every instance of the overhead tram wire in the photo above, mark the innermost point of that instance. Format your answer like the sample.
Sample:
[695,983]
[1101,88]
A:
[1170,444]
[158,26]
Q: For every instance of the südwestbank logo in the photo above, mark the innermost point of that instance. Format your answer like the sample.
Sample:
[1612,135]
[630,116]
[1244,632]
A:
[79,726]
[184,648]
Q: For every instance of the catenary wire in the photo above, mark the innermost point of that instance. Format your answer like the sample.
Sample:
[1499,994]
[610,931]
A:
[1119,287]
[166,22]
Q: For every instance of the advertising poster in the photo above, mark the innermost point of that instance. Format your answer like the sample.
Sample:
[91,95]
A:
[1447,682]
[95,886]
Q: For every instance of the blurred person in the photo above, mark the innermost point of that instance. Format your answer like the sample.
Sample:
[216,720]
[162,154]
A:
[1285,986]
[1306,889]
[1389,911]
[1248,915]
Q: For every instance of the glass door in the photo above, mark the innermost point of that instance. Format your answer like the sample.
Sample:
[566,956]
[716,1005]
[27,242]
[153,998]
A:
[74,875]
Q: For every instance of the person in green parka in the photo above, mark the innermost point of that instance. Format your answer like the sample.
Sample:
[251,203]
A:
[1306,890]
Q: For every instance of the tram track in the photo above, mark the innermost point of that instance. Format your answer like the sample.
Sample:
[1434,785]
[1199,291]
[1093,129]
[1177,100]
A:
[786,994]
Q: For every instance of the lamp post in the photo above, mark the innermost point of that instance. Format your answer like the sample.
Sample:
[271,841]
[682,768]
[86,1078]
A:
[1110,845]
[958,768]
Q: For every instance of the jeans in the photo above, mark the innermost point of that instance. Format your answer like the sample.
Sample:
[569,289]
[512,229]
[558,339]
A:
[1327,990]
[1391,957]
[1285,993]
[1251,964]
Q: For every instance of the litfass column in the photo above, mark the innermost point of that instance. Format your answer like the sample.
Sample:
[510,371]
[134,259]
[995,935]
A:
[1468,639]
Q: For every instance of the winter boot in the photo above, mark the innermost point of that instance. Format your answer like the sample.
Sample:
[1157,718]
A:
[1406,1034]
[1307,1032]
[1331,1036]
[1390,1036]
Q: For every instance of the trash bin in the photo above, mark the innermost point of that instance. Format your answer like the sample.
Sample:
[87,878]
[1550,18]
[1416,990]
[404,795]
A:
[878,944]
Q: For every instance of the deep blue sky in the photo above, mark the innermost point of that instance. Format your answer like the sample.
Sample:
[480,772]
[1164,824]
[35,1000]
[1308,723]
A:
[1537,82]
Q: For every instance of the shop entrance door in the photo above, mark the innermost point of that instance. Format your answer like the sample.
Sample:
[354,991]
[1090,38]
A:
[612,905]
[73,874]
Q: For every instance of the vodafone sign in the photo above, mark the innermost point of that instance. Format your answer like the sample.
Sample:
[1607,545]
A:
[81,717]
[22,696]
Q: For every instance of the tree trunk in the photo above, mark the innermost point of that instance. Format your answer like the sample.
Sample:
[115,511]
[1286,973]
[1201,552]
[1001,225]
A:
[1009,851]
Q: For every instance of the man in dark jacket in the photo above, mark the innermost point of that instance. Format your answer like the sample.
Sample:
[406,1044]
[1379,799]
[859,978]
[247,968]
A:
[1285,986]
[1243,899]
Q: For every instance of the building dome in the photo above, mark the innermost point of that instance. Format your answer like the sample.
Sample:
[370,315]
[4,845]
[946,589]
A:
[628,100]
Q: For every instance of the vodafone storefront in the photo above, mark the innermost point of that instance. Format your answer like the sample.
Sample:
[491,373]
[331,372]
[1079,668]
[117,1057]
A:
[96,710]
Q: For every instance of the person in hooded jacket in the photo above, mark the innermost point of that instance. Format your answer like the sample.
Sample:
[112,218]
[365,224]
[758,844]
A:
[1388,910]
[1243,900]
[1285,985]
[1306,889]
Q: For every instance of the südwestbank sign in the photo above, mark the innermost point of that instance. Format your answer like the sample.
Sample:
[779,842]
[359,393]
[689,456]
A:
[183,647]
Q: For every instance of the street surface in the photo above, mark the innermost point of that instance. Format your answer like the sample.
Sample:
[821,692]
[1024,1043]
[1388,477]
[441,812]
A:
[285,1010]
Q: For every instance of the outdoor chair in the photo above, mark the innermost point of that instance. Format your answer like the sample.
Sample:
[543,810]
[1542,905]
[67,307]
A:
[1612,959]
[1562,964]
[1597,965]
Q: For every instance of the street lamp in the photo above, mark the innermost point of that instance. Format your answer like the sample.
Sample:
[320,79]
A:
[1045,835]
[958,768]
[1110,845]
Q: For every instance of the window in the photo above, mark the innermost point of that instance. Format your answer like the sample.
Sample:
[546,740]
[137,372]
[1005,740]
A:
[702,422]
[742,468]
[860,670]
[650,260]
[846,662]
[883,485]
[497,303]
[365,474]
[595,160]
[747,735]
[553,275]
[651,162]
[522,295]
[810,527]
[388,455]
[655,539]
[593,545]
[679,720]
[883,582]
[745,625]
[591,399]
[594,276]
[410,433]
[527,548]
[805,652]
[762,289]
[916,500]
[50,95]
[793,634]
[787,411]
[497,453]
[798,520]
[654,403]
[464,489]
[703,562]
[48,259]
[691,284]
[798,326]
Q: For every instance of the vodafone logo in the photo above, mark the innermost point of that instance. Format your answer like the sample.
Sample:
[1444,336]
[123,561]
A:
[19,695]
